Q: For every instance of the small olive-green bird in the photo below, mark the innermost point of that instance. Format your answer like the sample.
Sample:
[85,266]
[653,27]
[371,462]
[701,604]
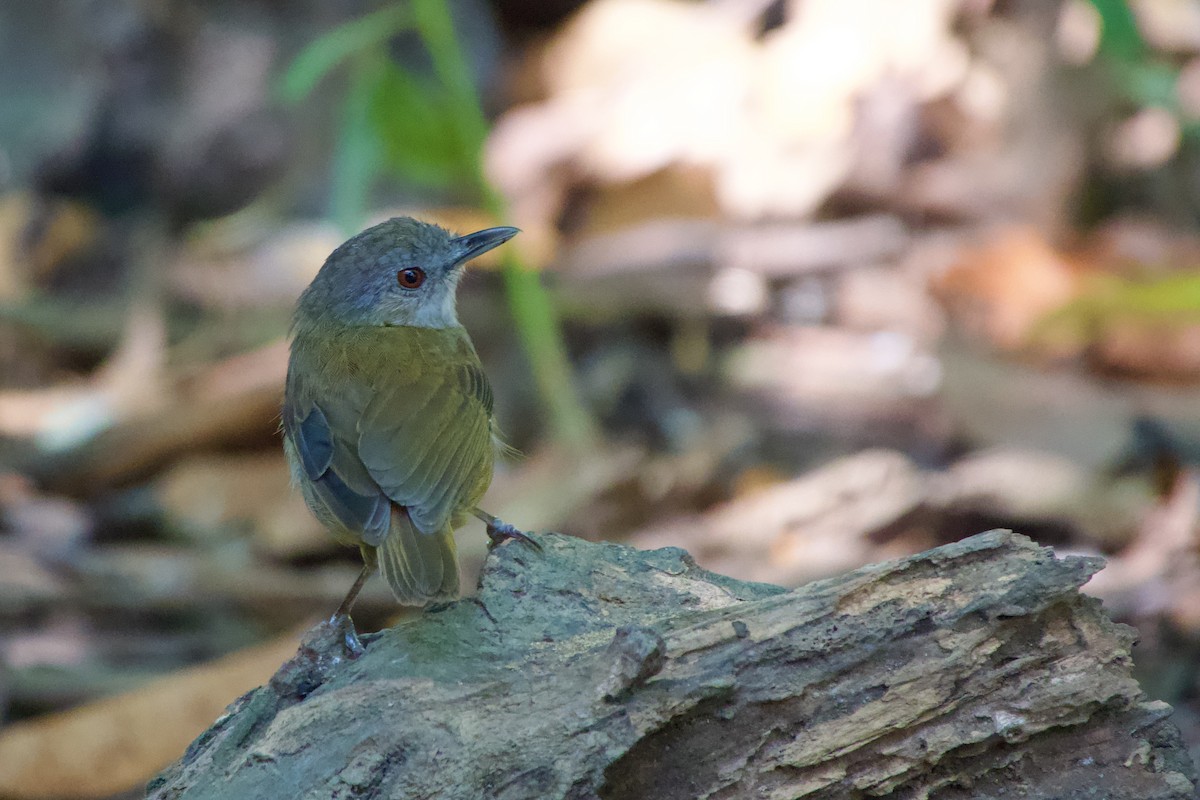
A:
[387,416]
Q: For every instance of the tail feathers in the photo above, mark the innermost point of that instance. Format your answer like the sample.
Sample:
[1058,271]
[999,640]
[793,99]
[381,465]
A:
[420,567]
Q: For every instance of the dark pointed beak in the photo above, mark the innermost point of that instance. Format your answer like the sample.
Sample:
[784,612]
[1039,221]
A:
[476,244]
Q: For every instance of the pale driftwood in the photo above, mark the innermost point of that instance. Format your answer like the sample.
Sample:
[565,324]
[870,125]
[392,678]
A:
[976,670]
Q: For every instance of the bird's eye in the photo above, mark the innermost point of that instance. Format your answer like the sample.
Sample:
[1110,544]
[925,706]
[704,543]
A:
[410,278]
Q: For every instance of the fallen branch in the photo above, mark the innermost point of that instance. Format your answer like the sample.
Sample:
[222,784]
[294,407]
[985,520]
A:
[594,670]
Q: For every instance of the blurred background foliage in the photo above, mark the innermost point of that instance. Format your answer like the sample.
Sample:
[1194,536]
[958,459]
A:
[802,284]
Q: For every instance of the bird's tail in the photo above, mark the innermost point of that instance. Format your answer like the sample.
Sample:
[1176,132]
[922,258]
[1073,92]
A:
[420,567]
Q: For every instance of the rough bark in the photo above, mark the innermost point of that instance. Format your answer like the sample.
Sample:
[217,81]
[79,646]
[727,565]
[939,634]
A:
[976,670]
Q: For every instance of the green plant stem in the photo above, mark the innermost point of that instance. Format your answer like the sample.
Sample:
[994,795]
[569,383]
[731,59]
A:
[537,324]
[529,303]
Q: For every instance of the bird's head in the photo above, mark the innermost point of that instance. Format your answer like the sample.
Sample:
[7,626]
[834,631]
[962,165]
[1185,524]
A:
[399,272]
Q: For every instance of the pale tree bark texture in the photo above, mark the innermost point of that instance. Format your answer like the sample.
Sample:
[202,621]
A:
[975,670]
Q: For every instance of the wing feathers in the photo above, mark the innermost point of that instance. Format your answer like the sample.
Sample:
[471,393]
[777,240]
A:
[315,448]
[428,444]
[313,442]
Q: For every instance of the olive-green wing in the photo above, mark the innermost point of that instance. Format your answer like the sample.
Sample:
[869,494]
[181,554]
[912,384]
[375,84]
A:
[322,435]
[425,438]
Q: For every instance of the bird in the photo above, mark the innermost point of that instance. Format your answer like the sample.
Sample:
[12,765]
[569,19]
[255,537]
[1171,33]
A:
[388,421]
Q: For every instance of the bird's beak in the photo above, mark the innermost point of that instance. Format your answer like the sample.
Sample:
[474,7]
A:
[476,244]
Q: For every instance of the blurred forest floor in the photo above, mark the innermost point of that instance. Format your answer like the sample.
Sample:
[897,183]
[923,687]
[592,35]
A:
[840,280]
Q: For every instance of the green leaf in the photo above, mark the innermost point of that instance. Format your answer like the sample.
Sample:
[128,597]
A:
[1108,300]
[1176,297]
[1151,83]
[432,20]
[324,53]
[357,155]
[1119,36]
[414,121]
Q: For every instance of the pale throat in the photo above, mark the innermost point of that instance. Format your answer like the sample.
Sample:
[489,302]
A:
[436,312]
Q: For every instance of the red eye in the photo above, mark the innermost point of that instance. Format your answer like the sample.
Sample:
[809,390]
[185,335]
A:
[410,278]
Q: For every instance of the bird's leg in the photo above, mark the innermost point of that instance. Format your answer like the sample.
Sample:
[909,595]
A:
[352,595]
[498,530]
[341,622]
[323,648]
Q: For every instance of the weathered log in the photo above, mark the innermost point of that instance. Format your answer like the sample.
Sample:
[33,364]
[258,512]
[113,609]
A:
[594,670]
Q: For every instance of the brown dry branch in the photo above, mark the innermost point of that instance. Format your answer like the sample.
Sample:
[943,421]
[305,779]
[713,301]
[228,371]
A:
[231,402]
[594,670]
[774,250]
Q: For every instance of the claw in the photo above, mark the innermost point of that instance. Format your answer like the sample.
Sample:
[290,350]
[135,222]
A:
[499,531]
[322,648]
[341,627]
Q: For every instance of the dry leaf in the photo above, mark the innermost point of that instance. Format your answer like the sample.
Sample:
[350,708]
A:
[1001,288]
[1154,349]
[638,86]
[118,743]
[810,527]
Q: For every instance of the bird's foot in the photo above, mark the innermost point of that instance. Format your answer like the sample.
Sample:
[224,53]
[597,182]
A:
[334,639]
[326,645]
[499,531]
[342,627]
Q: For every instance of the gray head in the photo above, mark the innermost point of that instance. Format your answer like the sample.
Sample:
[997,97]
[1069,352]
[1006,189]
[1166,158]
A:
[400,272]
